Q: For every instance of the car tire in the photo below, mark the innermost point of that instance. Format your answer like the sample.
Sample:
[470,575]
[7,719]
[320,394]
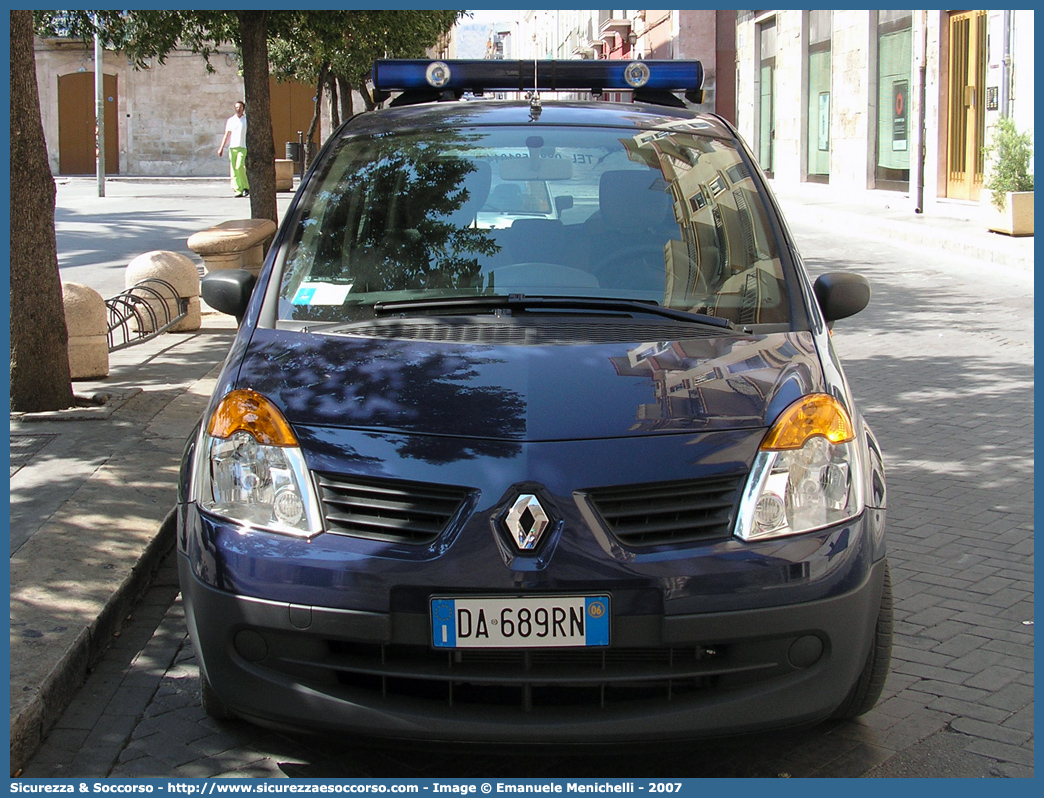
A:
[212,705]
[867,688]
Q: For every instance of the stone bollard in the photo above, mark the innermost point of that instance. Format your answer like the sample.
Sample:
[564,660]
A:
[86,319]
[284,174]
[236,244]
[177,270]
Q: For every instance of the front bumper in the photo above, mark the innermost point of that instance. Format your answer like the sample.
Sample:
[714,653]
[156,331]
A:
[665,676]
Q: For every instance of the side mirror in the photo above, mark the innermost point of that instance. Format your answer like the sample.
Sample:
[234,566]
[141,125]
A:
[841,294]
[228,291]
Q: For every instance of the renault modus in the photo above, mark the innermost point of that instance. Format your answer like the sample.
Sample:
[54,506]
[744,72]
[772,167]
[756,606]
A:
[533,432]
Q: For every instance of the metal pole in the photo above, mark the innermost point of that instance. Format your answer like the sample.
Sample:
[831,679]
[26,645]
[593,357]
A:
[922,96]
[99,113]
[1005,87]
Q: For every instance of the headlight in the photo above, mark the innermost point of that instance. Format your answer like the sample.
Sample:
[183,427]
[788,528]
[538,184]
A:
[250,469]
[806,475]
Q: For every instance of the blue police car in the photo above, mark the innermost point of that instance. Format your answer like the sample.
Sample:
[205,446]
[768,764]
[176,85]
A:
[533,432]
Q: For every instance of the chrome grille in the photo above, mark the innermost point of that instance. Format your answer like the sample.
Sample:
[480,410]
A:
[668,512]
[389,510]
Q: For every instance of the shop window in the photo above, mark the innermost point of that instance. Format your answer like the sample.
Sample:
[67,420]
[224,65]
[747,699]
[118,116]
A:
[767,95]
[894,87]
[818,135]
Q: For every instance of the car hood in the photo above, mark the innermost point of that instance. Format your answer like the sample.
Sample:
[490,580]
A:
[575,391]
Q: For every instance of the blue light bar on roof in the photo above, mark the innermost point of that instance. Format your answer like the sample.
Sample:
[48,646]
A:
[582,75]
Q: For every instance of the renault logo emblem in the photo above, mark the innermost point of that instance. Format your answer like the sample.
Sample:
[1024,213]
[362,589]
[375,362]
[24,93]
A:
[526,521]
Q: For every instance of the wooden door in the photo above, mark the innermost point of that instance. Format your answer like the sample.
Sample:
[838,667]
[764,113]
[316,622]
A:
[966,128]
[76,120]
[293,105]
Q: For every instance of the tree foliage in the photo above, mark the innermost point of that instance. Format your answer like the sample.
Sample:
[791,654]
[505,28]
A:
[341,46]
[349,41]
[142,35]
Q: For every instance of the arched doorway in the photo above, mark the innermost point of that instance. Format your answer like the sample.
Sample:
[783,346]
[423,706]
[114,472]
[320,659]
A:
[76,135]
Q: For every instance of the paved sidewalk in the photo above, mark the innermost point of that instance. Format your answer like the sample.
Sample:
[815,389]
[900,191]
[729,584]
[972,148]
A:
[950,226]
[90,491]
[99,236]
[91,488]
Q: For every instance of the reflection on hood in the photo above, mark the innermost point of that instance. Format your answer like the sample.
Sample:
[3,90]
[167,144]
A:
[531,393]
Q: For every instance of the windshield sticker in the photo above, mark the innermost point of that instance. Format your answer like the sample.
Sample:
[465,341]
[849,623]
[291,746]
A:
[322,294]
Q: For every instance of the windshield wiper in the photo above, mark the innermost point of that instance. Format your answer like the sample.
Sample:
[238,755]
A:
[523,302]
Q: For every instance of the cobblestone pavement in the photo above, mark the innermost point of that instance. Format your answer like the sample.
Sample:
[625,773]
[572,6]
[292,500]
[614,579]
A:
[942,363]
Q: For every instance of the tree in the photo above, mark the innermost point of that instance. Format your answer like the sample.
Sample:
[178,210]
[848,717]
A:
[387,34]
[335,50]
[40,377]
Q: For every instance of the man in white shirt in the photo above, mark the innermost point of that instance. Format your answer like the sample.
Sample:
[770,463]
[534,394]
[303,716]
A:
[235,139]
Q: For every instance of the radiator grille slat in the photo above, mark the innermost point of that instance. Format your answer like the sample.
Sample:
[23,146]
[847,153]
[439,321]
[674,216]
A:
[532,680]
[553,682]
[391,510]
[668,513]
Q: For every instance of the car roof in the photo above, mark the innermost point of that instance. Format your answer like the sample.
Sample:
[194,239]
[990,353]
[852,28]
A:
[461,113]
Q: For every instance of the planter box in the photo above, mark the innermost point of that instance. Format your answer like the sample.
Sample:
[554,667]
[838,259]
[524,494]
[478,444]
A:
[1017,217]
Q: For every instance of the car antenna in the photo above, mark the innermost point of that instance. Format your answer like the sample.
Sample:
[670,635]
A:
[534,96]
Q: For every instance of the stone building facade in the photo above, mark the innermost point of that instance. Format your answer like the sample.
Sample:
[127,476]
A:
[706,35]
[882,100]
[165,120]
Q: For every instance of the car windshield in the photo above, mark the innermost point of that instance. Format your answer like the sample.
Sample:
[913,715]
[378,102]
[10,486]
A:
[669,217]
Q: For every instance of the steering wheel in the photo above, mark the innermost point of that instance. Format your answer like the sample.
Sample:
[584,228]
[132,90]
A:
[640,267]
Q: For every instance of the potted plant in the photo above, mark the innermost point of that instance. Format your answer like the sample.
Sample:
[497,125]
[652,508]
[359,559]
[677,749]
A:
[1008,195]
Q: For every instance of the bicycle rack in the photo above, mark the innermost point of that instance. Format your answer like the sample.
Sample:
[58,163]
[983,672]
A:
[142,312]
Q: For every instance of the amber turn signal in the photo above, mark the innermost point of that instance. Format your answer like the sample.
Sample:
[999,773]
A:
[816,414]
[248,411]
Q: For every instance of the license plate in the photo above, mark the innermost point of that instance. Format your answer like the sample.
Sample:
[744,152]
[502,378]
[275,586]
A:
[520,622]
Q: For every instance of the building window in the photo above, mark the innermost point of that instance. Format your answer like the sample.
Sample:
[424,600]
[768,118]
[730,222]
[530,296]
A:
[894,86]
[818,137]
[767,95]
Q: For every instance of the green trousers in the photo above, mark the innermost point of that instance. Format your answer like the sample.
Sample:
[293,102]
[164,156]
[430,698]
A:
[237,160]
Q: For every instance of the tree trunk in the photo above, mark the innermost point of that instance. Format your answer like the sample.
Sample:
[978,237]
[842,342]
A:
[367,97]
[335,110]
[260,162]
[347,101]
[317,113]
[39,339]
